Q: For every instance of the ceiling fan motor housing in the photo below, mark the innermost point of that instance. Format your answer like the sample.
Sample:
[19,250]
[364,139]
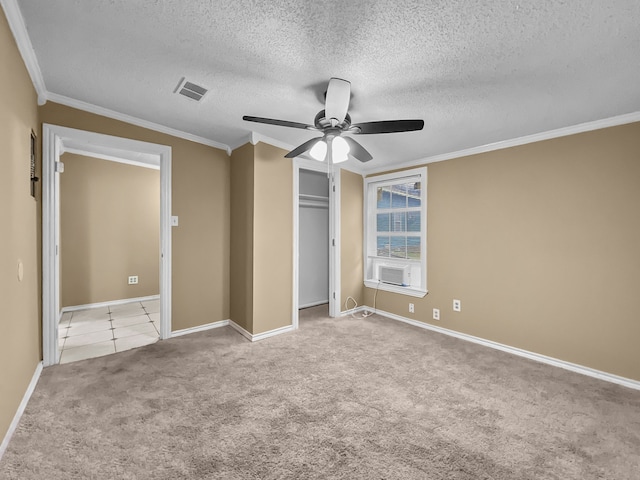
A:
[322,123]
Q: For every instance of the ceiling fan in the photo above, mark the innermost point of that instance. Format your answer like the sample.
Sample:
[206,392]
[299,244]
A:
[334,122]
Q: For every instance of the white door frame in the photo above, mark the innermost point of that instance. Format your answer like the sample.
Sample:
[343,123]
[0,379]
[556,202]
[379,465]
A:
[57,140]
[334,233]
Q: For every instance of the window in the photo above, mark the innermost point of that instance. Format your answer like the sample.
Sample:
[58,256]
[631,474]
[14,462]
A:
[396,232]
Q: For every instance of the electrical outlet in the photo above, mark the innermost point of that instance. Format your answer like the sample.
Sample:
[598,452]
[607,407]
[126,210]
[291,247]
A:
[412,308]
[456,305]
[133,280]
[436,314]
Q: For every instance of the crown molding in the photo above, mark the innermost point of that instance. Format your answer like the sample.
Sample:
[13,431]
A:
[253,138]
[21,36]
[243,141]
[105,112]
[514,142]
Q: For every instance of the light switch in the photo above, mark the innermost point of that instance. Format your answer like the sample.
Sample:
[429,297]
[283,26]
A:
[174,221]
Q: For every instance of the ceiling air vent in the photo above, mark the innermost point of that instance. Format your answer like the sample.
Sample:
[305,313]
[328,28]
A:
[190,90]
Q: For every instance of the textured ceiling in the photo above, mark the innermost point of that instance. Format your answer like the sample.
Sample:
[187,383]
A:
[476,72]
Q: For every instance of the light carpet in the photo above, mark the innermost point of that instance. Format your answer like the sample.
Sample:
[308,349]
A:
[346,398]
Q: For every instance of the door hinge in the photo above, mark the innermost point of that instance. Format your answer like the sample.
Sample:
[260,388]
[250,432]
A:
[334,295]
[333,242]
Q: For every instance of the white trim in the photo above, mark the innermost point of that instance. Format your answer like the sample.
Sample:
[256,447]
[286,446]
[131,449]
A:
[259,336]
[296,275]
[199,328]
[411,292]
[335,251]
[28,54]
[573,367]
[241,330]
[254,138]
[276,331]
[55,140]
[243,141]
[353,311]
[166,248]
[92,143]
[21,407]
[514,142]
[123,117]
[112,158]
[109,303]
[50,298]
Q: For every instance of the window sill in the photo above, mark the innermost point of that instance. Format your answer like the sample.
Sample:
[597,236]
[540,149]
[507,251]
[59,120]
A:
[409,291]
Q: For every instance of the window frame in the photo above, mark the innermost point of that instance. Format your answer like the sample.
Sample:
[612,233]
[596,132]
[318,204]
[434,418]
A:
[371,259]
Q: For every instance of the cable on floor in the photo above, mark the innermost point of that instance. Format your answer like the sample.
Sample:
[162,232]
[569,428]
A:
[365,314]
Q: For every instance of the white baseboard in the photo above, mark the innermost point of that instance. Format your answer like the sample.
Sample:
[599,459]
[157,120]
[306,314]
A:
[353,311]
[21,407]
[591,372]
[199,328]
[241,330]
[73,308]
[259,336]
[271,333]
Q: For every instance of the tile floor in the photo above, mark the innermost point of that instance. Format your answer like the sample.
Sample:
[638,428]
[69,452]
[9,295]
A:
[104,330]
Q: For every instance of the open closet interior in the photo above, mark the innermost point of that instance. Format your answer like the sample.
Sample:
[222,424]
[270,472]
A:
[313,241]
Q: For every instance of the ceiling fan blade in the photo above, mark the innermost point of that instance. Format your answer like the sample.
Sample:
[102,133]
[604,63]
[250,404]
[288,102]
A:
[357,150]
[306,146]
[387,126]
[337,100]
[280,123]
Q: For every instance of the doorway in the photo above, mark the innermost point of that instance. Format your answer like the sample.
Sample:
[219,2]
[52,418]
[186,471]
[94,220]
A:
[313,239]
[58,140]
[316,249]
[109,256]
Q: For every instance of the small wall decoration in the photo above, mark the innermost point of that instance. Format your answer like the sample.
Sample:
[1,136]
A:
[33,170]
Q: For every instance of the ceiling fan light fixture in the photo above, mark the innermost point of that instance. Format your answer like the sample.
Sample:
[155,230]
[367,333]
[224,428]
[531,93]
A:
[339,150]
[319,151]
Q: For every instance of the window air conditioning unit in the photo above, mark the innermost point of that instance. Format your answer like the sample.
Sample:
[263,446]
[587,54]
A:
[395,275]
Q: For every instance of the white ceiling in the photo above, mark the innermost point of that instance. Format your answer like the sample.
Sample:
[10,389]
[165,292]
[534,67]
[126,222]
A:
[476,72]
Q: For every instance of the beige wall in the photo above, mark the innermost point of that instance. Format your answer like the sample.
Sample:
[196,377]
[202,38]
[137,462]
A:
[242,172]
[273,239]
[19,231]
[200,197]
[261,238]
[351,231]
[541,244]
[109,229]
